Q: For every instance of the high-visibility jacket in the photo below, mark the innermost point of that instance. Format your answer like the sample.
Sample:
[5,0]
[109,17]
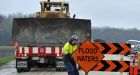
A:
[68,48]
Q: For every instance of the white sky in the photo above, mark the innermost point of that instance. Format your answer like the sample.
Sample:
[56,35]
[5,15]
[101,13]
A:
[112,13]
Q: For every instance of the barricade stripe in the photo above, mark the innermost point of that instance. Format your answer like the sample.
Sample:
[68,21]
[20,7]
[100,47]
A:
[119,50]
[101,48]
[107,48]
[126,48]
[106,65]
[112,66]
[114,48]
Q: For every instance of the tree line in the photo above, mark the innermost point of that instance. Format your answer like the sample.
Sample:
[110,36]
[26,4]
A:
[115,34]
[104,33]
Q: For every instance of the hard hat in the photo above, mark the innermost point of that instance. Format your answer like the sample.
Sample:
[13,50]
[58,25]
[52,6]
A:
[74,37]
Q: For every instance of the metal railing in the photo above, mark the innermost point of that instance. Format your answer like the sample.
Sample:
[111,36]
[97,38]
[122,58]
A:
[6,51]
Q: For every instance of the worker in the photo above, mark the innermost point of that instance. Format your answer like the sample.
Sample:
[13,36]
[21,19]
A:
[68,49]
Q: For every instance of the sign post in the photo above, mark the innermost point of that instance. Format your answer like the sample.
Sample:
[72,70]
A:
[86,73]
[87,56]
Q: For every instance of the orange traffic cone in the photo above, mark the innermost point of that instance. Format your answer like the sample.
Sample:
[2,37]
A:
[131,64]
[136,65]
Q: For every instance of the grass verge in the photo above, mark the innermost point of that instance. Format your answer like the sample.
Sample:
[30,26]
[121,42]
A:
[5,60]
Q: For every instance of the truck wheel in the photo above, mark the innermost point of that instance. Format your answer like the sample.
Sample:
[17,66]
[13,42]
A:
[57,69]
[64,69]
[60,69]
[27,69]
[19,70]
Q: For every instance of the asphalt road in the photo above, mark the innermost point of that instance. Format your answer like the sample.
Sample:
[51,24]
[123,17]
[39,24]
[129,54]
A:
[10,69]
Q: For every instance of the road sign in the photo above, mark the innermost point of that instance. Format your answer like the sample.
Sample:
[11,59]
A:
[112,66]
[114,48]
[90,54]
[87,56]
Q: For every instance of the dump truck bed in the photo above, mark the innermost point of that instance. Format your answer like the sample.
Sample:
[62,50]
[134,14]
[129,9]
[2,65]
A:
[49,31]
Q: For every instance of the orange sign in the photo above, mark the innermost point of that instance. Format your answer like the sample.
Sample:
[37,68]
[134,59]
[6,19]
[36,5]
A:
[87,56]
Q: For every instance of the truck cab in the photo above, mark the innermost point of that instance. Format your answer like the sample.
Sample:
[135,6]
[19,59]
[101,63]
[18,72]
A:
[54,10]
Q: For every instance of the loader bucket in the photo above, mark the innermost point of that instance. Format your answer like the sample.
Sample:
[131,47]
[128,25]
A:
[49,31]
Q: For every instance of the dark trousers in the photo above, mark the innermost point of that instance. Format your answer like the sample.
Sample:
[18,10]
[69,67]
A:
[70,66]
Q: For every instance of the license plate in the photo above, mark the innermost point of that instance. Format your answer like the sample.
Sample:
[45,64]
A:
[35,58]
[22,64]
[41,60]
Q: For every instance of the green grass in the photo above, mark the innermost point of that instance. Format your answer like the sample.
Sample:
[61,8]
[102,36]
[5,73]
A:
[5,60]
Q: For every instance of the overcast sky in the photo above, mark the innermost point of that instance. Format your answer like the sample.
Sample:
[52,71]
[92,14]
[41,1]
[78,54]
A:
[112,13]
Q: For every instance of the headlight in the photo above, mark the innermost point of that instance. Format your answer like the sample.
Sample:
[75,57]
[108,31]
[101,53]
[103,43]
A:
[57,55]
[25,54]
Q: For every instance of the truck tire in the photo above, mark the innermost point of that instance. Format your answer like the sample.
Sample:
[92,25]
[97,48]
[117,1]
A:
[19,70]
[61,69]
[64,69]
[27,69]
[57,69]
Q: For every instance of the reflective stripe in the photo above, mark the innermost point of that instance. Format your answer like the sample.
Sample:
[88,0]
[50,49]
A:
[48,49]
[131,64]
[116,57]
[26,49]
[20,49]
[57,50]
[136,62]
[35,49]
